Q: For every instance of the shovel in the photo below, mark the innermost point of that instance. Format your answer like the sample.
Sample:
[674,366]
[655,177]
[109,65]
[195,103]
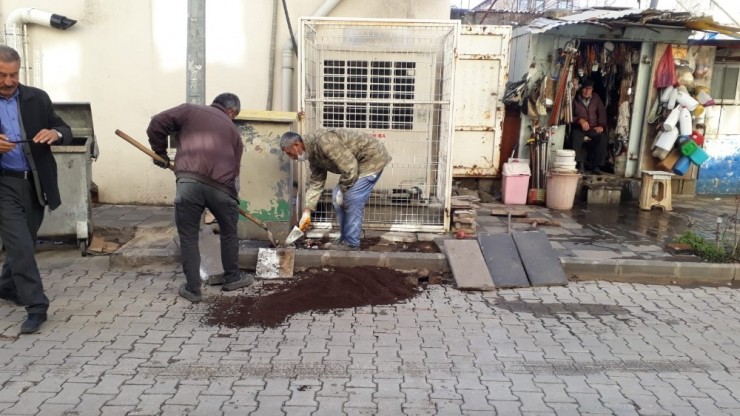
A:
[294,235]
[211,266]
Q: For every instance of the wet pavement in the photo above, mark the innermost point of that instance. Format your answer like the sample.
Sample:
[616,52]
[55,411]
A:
[585,232]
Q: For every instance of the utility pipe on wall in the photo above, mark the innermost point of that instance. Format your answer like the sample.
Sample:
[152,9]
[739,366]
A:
[19,18]
[195,82]
[287,65]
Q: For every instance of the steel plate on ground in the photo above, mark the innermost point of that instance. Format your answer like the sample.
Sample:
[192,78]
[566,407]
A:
[503,261]
[540,260]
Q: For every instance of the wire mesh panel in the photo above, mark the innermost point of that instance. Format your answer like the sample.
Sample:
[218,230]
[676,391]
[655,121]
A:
[392,79]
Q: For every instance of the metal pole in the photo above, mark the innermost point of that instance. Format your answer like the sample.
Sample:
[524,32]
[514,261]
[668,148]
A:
[195,83]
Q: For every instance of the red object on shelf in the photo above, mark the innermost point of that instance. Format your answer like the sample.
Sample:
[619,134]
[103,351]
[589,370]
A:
[698,138]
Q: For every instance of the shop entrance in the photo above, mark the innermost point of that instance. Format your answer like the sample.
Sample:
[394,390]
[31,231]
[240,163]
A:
[612,66]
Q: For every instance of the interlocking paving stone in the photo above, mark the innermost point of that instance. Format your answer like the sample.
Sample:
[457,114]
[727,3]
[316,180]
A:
[589,347]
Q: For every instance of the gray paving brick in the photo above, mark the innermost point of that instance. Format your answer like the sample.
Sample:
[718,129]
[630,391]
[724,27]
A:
[270,405]
[330,405]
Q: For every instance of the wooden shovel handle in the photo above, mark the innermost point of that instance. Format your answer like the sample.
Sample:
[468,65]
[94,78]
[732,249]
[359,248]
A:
[156,157]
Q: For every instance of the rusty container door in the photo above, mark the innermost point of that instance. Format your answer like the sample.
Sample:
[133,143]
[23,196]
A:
[481,73]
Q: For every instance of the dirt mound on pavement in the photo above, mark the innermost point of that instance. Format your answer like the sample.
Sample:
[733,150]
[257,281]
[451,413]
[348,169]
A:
[319,291]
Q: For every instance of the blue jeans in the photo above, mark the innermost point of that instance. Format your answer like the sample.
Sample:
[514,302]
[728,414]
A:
[350,216]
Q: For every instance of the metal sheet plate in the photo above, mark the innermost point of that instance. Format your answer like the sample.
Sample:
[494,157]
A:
[503,261]
[540,260]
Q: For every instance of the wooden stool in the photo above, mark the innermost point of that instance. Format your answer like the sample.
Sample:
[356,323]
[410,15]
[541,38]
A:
[656,190]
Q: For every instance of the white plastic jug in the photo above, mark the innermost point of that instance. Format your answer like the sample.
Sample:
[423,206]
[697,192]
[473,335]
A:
[684,122]
[672,119]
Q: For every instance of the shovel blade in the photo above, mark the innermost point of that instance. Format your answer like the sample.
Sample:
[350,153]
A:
[294,235]
[275,263]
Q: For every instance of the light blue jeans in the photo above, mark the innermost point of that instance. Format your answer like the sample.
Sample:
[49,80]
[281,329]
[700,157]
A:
[350,216]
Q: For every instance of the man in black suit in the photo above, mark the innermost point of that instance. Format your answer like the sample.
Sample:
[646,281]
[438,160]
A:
[28,183]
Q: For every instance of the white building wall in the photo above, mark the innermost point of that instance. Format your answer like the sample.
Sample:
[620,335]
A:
[127,58]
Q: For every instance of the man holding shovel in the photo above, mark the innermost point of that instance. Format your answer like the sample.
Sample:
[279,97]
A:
[209,153]
[357,157]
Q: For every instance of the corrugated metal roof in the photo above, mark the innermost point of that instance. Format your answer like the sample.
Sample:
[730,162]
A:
[605,16]
[543,24]
[600,14]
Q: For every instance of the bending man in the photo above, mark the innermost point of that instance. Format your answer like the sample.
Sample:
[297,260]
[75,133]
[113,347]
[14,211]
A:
[357,157]
[209,154]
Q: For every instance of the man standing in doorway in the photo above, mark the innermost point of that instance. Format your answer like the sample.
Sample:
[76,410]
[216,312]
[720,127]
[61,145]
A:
[28,183]
[589,125]
[357,157]
[209,154]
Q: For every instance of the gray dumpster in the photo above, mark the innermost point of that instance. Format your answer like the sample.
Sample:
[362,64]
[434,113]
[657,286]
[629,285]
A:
[73,219]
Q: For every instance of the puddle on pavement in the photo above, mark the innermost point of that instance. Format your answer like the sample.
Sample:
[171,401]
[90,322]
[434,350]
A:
[630,223]
[541,309]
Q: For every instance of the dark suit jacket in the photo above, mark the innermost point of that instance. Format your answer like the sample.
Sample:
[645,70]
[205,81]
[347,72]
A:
[37,113]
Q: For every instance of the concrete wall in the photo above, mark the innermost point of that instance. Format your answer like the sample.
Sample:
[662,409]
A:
[127,58]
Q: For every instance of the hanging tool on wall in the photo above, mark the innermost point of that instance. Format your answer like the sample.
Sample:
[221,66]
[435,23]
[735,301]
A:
[569,51]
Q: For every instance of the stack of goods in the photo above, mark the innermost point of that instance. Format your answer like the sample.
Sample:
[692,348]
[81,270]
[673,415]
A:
[678,144]
[464,212]
[565,161]
[463,221]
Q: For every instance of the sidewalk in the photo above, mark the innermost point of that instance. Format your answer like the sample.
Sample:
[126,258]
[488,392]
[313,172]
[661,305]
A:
[621,242]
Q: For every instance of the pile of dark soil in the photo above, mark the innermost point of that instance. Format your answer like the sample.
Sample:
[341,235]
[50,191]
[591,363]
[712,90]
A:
[318,291]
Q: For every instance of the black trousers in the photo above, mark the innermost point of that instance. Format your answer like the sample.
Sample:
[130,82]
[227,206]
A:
[191,199]
[20,219]
[597,147]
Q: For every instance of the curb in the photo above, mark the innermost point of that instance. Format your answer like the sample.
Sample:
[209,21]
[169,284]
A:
[142,258]
[645,271]
[627,269]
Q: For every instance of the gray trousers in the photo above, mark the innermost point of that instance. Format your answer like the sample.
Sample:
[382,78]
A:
[20,219]
[191,199]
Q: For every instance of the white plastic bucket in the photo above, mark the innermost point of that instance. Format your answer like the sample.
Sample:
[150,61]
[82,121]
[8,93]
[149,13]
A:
[561,190]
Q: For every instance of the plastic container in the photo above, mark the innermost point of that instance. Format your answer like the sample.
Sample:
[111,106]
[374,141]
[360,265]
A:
[682,166]
[698,138]
[666,94]
[672,119]
[564,160]
[684,122]
[686,100]
[561,190]
[698,156]
[672,99]
[688,147]
[515,183]
[514,189]
[620,165]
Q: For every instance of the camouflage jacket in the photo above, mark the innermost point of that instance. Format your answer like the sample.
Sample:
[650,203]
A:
[351,154]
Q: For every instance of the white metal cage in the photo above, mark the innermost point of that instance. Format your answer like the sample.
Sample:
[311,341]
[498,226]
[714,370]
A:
[393,79]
